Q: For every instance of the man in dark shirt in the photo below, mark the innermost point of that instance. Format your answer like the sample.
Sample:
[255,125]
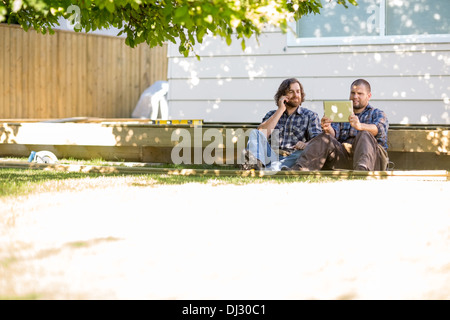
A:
[359,144]
[284,132]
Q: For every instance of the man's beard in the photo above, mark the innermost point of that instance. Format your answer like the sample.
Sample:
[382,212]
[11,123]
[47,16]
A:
[291,105]
[358,106]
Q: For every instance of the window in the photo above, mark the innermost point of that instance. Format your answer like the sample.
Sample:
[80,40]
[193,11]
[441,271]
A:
[375,21]
[417,17]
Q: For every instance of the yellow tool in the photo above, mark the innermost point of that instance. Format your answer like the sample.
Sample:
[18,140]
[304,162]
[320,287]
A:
[196,121]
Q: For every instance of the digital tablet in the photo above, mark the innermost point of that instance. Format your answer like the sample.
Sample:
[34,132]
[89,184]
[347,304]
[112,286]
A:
[338,111]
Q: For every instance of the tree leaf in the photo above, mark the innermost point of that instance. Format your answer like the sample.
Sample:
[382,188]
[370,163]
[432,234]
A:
[157,21]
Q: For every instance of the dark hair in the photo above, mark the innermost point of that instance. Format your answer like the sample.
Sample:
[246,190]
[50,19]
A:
[362,82]
[285,86]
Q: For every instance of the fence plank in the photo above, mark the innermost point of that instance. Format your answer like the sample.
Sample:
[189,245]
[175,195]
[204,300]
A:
[17,71]
[5,52]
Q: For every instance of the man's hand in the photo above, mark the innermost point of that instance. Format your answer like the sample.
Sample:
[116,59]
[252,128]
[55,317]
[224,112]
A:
[267,126]
[300,145]
[354,122]
[282,103]
[325,123]
[370,127]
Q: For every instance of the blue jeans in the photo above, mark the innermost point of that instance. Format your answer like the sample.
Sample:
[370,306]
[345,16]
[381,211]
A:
[261,149]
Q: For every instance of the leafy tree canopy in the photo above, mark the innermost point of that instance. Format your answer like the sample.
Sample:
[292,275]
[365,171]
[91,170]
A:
[159,21]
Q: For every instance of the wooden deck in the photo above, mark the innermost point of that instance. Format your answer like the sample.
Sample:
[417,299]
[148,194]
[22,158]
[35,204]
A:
[410,147]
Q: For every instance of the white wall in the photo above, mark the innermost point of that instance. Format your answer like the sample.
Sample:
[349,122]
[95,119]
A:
[410,82]
[66,25]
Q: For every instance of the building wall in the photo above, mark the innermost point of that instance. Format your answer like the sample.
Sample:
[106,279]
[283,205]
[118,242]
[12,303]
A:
[410,82]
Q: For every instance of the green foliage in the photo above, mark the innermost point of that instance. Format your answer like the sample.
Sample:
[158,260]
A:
[185,22]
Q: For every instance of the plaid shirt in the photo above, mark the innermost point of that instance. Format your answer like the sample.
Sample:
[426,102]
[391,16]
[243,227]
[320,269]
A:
[302,125]
[370,115]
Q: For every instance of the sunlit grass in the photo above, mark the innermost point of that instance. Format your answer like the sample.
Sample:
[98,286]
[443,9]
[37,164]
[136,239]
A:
[15,182]
[31,296]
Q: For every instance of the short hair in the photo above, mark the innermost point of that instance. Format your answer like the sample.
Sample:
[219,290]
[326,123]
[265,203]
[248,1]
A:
[362,82]
[285,86]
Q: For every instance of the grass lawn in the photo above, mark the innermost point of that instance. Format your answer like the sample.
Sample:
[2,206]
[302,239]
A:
[15,182]
[159,235]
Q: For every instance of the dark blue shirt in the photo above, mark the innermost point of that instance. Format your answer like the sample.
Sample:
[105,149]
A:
[370,115]
[302,125]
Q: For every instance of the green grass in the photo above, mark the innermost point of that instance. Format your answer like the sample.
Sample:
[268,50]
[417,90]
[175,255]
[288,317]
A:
[16,182]
[31,296]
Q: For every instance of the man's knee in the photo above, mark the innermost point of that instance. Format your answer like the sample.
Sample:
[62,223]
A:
[322,138]
[365,139]
[254,133]
[365,135]
[255,137]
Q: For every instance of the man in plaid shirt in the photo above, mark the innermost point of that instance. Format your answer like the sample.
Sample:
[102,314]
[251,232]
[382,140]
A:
[359,144]
[283,133]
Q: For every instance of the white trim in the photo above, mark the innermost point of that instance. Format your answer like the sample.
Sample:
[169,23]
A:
[293,41]
[382,18]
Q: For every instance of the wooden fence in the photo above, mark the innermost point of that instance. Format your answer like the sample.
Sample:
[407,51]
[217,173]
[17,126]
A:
[73,75]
